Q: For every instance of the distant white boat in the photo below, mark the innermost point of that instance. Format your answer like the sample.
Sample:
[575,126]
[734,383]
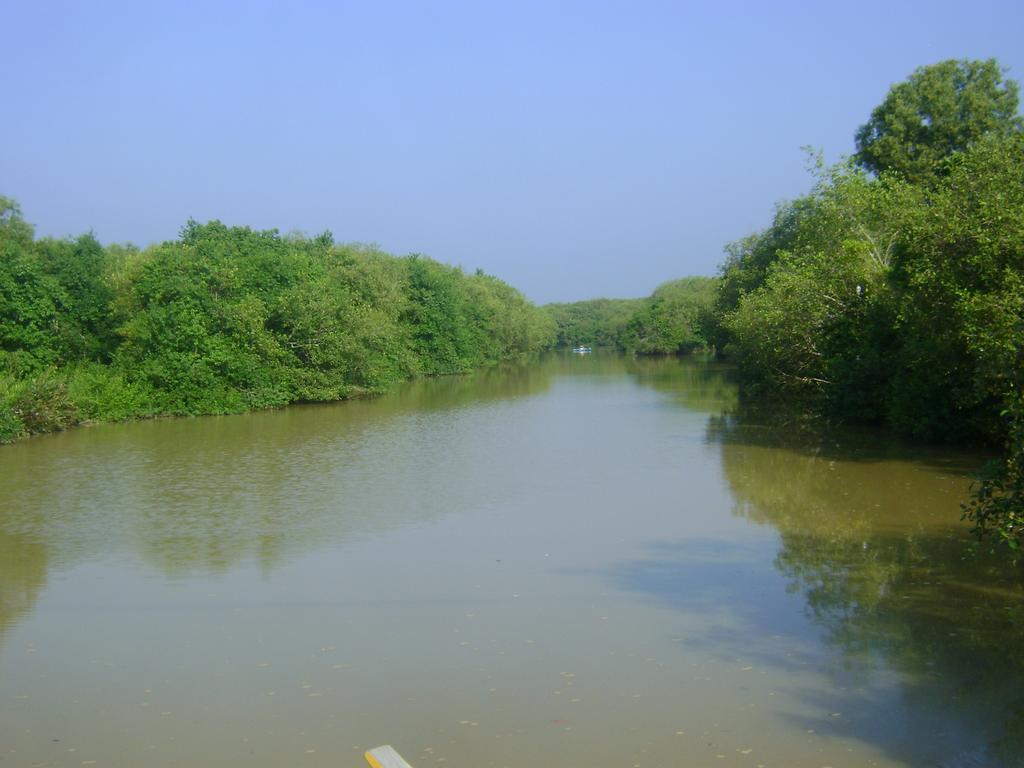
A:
[582,350]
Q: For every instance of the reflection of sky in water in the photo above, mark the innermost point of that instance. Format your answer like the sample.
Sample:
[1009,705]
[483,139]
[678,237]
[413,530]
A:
[574,562]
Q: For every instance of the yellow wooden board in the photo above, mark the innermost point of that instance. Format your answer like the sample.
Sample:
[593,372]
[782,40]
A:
[385,757]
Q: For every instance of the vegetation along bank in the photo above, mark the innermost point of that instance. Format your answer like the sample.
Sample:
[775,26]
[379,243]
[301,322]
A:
[227,319]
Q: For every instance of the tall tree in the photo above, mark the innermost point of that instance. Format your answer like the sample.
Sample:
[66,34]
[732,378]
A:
[940,109]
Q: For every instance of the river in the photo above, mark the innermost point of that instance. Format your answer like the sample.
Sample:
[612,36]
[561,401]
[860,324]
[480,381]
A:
[587,561]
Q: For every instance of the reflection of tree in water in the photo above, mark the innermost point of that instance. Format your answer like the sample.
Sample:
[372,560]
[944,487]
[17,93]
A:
[307,476]
[23,571]
[871,537]
[507,381]
[696,382]
[203,495]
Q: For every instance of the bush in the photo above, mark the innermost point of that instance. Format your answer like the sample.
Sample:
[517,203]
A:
[39,404]
[101,393]
[996,508]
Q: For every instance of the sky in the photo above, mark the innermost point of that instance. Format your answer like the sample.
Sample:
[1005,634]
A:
[574,149]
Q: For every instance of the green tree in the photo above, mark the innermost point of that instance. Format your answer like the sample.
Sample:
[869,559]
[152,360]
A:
[958,277]
[814,326]
[596,322]
[671,321]
[30,299]
[940,109]
[442,339]
[80,267]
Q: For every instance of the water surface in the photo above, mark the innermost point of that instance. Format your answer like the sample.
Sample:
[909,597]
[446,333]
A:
[588,561]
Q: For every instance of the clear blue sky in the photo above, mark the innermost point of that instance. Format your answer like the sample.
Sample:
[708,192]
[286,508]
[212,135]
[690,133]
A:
[574,149]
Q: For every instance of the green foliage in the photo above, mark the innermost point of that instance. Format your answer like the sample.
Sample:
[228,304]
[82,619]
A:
[815,327]
[437,314]
[55,298]
[36,404]
[748,261]
[226,319]
[103,393]
[673,320]
[957,276]
[594,323]
[784,329]
[11,426]
[939,110]
[194,316]
[339,327]
[996,509]
[894,302]
[30,299]
[509,326]
[79,268]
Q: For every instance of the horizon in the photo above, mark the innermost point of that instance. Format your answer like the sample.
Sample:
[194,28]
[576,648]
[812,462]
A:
[578,152]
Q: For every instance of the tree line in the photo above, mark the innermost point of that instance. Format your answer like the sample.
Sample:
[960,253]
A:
[673,320]
[226,319]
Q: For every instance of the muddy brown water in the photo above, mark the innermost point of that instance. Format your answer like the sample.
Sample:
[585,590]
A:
[587,561]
